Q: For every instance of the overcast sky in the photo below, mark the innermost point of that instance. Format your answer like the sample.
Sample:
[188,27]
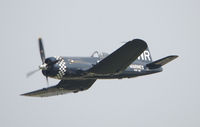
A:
[79,27]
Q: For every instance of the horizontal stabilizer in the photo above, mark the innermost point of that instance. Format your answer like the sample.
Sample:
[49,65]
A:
[161,62]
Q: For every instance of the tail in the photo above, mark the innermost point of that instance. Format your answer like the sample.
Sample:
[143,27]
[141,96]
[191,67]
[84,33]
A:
[145,57]
[161,62]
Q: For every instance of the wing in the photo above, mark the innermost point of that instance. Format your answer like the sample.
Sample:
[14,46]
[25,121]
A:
[120,59]
[63,87]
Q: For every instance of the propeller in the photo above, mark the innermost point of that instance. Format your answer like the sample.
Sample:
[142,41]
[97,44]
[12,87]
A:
[44,66]
[41,49]
[31,73]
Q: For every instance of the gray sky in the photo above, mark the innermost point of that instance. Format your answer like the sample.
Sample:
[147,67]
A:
[77,28]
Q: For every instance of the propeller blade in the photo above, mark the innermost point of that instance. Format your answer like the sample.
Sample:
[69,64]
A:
[41,48]
[47,81]
[31,73]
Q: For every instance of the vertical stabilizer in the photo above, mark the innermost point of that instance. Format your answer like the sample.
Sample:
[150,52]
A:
[145,56]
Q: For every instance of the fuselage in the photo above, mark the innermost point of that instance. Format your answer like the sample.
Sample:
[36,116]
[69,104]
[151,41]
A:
[68,68]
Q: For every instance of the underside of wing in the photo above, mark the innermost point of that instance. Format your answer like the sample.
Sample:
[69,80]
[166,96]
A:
[63,87]
[46,92]
[120,59]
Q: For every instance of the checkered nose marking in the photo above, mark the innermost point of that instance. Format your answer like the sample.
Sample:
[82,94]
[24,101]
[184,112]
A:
[62,67]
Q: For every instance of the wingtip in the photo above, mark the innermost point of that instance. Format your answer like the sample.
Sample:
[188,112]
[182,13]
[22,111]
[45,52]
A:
[25,94]
[174,56]
[137,39]
[28,95]
[140,42]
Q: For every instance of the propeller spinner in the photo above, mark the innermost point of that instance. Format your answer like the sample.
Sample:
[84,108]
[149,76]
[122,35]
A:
[44,65]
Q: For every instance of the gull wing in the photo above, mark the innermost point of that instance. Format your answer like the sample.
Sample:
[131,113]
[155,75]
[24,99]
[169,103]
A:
[63,87]
[120,59]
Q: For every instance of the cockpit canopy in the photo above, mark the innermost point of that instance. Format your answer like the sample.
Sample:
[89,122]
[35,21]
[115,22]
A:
[99,54]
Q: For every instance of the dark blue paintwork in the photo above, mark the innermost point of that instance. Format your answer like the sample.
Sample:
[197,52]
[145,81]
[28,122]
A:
[79,73]
[77,69]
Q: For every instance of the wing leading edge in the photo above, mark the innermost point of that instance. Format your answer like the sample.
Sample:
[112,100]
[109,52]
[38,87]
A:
[120,59]
[63,87]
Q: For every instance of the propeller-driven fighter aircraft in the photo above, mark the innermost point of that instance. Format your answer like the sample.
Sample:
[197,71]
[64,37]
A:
[79,73]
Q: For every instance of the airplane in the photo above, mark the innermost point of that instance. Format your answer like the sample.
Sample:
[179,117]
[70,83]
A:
[133,59]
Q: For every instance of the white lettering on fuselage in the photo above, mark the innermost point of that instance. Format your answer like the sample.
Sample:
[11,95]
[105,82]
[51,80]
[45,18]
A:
[145,56]
[136,67]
